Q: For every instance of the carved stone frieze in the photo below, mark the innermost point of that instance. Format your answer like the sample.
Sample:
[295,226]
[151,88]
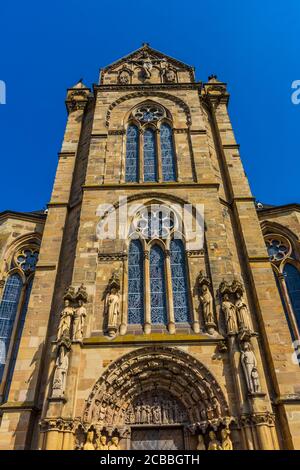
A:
[140,386]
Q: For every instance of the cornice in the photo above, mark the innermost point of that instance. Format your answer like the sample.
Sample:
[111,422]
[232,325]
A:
[152,86]
[143,186]
[277,210]
[30,217]
[153,338]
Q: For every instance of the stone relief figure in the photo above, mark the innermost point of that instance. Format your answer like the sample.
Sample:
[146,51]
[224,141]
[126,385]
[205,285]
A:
[96,412]
[114,444]
[214,444]
[201,444]
[101,442]
[66,316]
[60,373]
[226,441]
[124,77]
[170,76]
[249,364]
[89,445]
[216,407]
[242,313]
[78,321]
[230,315]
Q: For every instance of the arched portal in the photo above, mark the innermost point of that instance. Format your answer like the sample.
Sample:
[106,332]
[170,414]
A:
[155,388]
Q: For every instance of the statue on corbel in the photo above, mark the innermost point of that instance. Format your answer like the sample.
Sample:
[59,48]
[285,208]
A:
[70,329]
[235,309]
[112,304]
[249,366]
[207,303]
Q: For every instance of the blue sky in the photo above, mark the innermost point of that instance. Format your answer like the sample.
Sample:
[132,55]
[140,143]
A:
[47,47]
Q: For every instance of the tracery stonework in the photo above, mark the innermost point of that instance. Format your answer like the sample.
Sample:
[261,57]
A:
[160,308]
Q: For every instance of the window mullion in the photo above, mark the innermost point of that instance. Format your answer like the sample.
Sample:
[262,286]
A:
[170,302]
[147,295]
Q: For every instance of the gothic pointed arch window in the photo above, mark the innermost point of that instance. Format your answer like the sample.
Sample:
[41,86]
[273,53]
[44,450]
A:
[8,312]
[150,156]
[292,280]
[179,281]
[158,286]
[286,265]
[167,153]
[132,154]
[135,283]
[150,150]
[13,309]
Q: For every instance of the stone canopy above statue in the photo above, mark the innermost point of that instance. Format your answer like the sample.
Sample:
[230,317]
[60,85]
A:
[146,66]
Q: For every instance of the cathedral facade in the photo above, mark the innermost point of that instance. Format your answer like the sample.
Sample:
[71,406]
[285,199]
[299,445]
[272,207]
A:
[155,304]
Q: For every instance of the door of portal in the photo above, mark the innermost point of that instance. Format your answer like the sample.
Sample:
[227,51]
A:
[162,438]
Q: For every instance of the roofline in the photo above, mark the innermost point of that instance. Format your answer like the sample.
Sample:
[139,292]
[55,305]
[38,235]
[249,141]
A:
[148,48]
[30,216]
[294,206]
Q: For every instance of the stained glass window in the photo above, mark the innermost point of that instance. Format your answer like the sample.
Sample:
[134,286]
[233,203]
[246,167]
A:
[179,281]
[150,160]
[167,153]
[158,286]
[135,283]
[8,311]
[27,260]
[18,338]
[132,154]
[148,113]
[292,279]
[277,250]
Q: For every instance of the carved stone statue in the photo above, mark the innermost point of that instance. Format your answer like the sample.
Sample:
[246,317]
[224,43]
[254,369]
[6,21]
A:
[96,412]
[214,444]
[65,320]
[114,444]
[78,321]
[147,65]
[242,313]
[226,441]
[101,442]
[230,315]
[207,304]
[249,364]
[89,441]
[201,444]
[216,407]
[206,301]
[60,373]
[113,311]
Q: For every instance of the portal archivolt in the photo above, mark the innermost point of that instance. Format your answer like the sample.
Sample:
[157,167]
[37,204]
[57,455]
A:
[156,385]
